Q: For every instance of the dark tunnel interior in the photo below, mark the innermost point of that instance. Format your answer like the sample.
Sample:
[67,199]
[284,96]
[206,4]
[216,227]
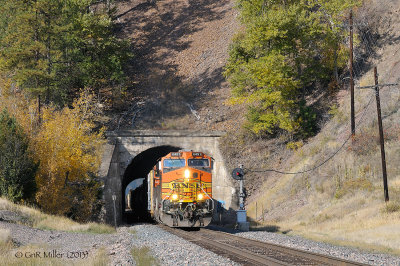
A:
[139,167]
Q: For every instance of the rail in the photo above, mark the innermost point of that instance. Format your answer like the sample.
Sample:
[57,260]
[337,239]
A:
[252,252]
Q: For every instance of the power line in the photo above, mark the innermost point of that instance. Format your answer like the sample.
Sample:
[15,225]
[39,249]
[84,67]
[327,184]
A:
[378,85]
[369,43]
[325,161]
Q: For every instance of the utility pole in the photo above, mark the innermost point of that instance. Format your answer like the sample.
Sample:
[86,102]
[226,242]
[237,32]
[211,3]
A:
[353,122]
[381,137]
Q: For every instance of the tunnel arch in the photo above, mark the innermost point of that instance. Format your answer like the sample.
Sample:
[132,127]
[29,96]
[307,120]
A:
[139,167]
[124,146]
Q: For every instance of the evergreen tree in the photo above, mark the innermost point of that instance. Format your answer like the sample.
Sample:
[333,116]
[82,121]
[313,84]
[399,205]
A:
[287,49]
[17,169]
[56,47]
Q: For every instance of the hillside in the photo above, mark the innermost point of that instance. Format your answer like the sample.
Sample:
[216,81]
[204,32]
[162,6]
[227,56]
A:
[319,184]
[181,49]
[342,200]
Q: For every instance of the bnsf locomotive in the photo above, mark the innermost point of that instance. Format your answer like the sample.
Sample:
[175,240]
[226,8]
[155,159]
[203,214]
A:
[180,189]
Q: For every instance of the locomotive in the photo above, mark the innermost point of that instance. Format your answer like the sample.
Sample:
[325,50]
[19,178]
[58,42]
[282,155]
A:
[180,189]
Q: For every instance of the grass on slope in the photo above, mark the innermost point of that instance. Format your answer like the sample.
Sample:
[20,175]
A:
[341,202]
[8,255]
[143,256]
[37,219]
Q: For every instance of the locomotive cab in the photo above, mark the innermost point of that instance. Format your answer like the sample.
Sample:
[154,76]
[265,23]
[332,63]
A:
[182,189]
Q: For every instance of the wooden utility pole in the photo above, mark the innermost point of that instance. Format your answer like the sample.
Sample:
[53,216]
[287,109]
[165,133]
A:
[381,137]
[353,122]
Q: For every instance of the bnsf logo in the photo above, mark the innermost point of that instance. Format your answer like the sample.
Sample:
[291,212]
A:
[185,185]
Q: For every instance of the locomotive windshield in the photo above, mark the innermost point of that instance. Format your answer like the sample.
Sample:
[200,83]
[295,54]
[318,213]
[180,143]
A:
[174,163]
[199,162]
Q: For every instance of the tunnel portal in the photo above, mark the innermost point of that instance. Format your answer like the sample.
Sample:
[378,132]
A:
[139,168]
[130,155]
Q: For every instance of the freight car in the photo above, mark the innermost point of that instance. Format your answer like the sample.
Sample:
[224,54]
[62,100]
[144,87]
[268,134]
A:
[180,189]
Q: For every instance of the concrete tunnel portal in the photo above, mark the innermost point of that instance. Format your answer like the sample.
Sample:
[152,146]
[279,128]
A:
[139,168]
[129,155]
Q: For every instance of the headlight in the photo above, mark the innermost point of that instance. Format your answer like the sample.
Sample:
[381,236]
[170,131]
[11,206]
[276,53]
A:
[174,197]
[200,196]
[187,173]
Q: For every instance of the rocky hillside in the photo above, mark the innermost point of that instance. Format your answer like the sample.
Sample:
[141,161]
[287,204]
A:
[180,49]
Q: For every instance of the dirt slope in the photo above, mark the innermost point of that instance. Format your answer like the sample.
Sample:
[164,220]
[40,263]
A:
[180,50]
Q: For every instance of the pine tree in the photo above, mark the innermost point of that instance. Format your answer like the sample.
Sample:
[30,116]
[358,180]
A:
[57,47]
[288,49]
[17,169]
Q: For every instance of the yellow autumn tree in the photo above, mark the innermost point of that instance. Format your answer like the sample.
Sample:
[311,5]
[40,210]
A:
[65,145]
[69,151]
[19,106]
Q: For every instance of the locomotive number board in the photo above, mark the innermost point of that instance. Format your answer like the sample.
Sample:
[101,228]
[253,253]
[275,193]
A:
[197,154]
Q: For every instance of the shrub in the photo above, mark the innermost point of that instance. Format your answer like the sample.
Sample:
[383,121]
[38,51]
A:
[294,145]
[307,119]
[70,152]
[392,206]
[352,185]
[17,169]
[364,143]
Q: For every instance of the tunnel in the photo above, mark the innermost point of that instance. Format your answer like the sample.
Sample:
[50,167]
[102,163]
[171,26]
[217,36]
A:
[137,171]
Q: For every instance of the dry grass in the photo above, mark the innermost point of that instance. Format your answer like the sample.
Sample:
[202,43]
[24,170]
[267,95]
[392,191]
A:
[143,257]
[341,202]
[35,218]
[4,236]
[8,257]
[5,242]
[99,259]
[391,207]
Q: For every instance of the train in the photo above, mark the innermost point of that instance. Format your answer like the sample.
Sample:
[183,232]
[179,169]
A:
[180,189]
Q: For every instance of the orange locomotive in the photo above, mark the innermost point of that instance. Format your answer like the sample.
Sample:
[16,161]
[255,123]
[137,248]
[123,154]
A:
[180,189]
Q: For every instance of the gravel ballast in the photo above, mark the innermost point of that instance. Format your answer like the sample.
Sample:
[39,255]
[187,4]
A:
[172,250]
[166,248]
[346,253]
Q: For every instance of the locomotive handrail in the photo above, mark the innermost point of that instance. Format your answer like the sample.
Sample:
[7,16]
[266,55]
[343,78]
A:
[167,195]
[207,194]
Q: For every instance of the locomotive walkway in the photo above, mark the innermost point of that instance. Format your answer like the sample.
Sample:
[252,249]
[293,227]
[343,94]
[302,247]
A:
[253,252]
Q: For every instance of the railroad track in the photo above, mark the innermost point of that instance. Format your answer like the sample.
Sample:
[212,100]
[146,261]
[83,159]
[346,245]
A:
[252,252]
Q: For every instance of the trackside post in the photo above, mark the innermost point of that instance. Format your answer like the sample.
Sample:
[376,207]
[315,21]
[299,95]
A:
[241,214]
